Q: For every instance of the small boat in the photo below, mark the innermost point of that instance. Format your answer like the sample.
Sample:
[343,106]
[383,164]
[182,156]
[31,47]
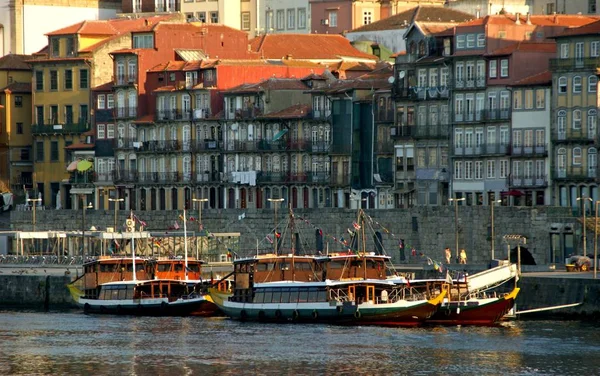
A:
[157,297]
[352,302]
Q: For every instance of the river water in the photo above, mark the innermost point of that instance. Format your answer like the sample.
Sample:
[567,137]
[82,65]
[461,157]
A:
[70,343]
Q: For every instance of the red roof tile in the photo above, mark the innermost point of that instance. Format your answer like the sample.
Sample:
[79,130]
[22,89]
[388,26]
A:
[80,146]
[165,89]
[543,78]
[566,20]
[589,29]
[104,87]
[110,27]
[297,111]
[15,62]
[18,87]
[269,84]
[306,46]
[149,118]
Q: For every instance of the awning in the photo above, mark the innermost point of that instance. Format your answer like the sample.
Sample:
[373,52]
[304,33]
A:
[84,165]
[72,166]
[512,192]
[280,134]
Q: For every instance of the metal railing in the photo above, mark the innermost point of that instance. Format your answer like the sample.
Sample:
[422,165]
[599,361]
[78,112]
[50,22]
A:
[522,181]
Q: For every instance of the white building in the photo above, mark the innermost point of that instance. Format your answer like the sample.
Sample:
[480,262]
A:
[23,24]
[283,16]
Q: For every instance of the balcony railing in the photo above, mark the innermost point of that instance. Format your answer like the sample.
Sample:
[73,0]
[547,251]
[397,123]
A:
[272,177]
[162,177]
[122,80]
[384,115]
[422,93]
[431,131]
[483,115]
[166,115]
[483,149]
[160,146]
[469,83]
[575,63]
[126,112]
[530,151]
[402,131]
[522,181]
[339,180]
[581,135]
[86,177]
[321,114]
[309,177]
[497,114]
[208,177]
[104,177]
[206,145]
[308,145]
[80,127]
[575,174]
[244,113]
[125,176]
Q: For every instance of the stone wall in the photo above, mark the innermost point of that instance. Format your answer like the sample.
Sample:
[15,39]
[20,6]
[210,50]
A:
[35,292]
[428,229]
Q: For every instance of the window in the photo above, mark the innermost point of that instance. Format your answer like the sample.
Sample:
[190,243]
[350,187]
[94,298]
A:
[101,131]
[110,101]
[503,173]
[54,151]
[470,40]
[19,128]
[53,80]
[577,84]
[110,131]
[39,80]
[594,48]
[39,114]
[592,84]
[469,170]
[39,151]
[269,21]
[517,99]
[245,20]
[478,170]
[301,18]
[68,79]
[201,16]
[101,102]
[83,79]
[83,113]
[214,17]
[332,19]
[493,68]
[367,17]
[291,19]
[444,74]
[480,40]
[577,156]
[18,101]
[460,42]
[143,41]
[458,170]
[504,68]
[55,47]
[540,98]
[281,19]
[528,99]
[491,169]
[562,85]
[564,51]
[591,6]
[69,114]
[576,119]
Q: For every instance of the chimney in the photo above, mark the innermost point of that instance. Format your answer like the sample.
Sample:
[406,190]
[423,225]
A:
[518,18]
[528,18]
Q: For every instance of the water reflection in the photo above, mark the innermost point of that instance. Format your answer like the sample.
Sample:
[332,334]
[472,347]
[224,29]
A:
[73,343]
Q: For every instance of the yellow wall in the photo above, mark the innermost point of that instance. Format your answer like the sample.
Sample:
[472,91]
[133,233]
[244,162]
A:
[86,41]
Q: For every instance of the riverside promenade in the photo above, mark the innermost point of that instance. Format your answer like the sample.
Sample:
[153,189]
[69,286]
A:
[43,287]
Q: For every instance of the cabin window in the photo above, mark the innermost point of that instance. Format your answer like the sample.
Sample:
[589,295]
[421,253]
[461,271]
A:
[303,296]
[258,297]
[313,295]
[178,267]
[285,295]
[322,296]
[122,293]
[268,296]
[276,296]
[293,296]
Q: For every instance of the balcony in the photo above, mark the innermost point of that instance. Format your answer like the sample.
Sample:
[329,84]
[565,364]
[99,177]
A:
[104,177]
[206,145]
[403,131]
[384,147]
[321,114]
[384,115]
[483,149]
[126,112]
[319,177]
[574,135]
[86,177]
[574,174]
[308,145]
[530,151]
[339,180]
[469,117]
[125,176]
[208,177]
[431,131]
[588,63]
[125,80]
[522,181]
[125,143]
[248,113]
[39,129]
[160,146]
[469,83]
[161,177]
[422,93]
[271,177]
[168,115]
[501,114]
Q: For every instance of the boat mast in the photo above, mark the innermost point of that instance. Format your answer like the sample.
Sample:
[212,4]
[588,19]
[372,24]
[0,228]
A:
[364,242]
[185,245]
[293,245]
[133,245]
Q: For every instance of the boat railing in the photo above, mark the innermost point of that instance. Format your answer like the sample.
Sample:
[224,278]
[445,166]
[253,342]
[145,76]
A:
[340,295]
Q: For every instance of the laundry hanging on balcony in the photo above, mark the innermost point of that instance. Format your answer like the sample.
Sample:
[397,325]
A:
[84,165]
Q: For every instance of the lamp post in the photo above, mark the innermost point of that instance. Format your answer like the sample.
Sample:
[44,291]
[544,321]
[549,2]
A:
[200,203]
[116,201]
[83,209]
[34,204]
[596,239]
[456,200]
[492,204]
[275,201]
[583,199]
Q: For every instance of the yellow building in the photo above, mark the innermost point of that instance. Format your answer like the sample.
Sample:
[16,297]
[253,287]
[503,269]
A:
[75,60]
[16,166]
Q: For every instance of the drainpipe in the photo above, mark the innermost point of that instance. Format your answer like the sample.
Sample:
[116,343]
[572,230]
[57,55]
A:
[257,29]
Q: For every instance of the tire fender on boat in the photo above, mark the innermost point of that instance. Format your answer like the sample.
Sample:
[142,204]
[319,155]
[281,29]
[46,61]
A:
[357,314]
[86,307]
[261,315]
[295,314]
[315,314]
[278,314]
[340,309]
[163,305]
[243,315]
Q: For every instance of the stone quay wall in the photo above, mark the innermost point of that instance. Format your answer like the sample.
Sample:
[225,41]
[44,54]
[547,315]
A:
[40,292]
[428,229]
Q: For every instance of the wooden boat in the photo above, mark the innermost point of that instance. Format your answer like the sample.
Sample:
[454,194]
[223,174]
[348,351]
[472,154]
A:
[352,302]
[160,297]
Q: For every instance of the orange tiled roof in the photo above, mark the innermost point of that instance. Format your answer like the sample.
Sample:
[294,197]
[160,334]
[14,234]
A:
[104,87]
[434,28]
[18,87]
[543,78]
[165,89]
[566,20]
[399,53]
[269,84]
[306,46]
[297,111]
[525,46]
[588,29]
[15,62]
[110,27]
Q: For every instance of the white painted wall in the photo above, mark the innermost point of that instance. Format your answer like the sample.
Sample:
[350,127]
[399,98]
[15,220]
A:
[392,39]
[275,5]
[5,22]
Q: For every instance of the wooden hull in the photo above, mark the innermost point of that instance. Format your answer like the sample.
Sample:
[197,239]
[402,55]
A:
[485,312]
[398,314]
[150,307]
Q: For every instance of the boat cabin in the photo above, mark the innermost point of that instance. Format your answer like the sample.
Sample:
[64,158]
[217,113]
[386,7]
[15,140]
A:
[351,266]
[113,269]
[175,269]
[151,289]
[274,268]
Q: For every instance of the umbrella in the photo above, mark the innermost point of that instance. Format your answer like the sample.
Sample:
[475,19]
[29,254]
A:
[512,192]
[72,166]
[84,165]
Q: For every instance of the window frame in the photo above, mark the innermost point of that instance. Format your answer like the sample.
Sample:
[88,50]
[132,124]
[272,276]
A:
[493,69]
[504,69]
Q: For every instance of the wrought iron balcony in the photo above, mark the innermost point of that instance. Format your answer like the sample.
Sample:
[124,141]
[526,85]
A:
[416,93]
[529,151]
[575,174]
[403,131]
[78,177]
[522,181]
[384,115]
[160,146]
[469,83]
[436,131]
[125,79]
[126,112]
[125,176]
[208,177]
[588,63]
[483,149]
[79,127]
[169,115]
[161,177]
[577,135]
[206,145]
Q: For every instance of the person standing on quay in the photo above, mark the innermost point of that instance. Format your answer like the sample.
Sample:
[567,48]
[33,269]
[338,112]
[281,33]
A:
[463,256]
[447,255]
